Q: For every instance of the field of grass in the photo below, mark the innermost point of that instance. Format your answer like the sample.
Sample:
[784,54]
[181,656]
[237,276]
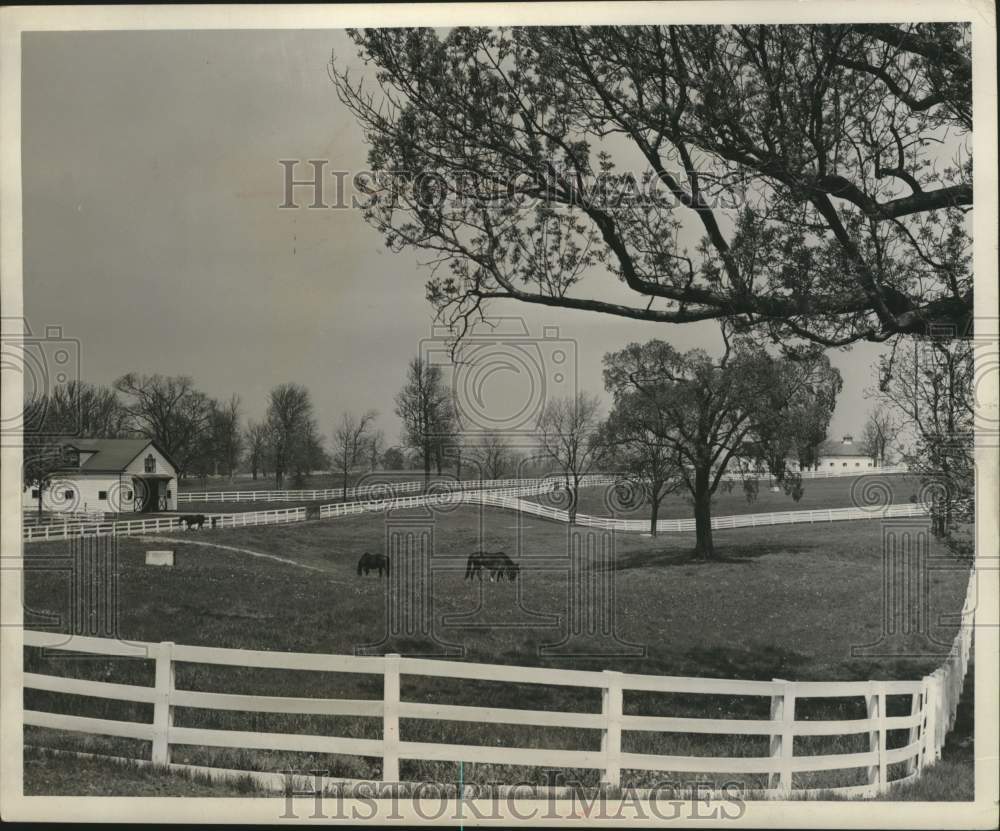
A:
[785,602]
[838,492]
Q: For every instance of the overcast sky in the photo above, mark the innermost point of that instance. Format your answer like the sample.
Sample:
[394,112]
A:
[152,231]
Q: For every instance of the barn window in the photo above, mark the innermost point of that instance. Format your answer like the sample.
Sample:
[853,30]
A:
[168,493]
[844,465]
[68,493]
[857,464]
[34,493]
[102,495]
[150,463]
[127,494]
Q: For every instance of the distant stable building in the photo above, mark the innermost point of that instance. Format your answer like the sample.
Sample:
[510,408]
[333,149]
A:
[846,455]
[109,475]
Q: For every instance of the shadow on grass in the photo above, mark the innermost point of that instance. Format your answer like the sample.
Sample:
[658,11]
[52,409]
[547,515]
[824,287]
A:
[724,555]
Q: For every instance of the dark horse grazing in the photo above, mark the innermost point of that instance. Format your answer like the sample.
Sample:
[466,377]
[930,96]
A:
[193,521]
[371,562]
[497,563]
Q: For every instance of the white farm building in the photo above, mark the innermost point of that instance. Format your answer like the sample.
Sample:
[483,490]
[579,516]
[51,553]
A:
[844,456]
[109,475]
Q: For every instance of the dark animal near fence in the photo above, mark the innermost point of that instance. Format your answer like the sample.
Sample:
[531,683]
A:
[373,562]
[496,563]
[193,521]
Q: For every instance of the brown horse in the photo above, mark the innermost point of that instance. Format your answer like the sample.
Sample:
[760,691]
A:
[496,563]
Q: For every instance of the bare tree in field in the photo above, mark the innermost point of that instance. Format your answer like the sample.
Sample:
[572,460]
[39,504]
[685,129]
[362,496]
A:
[929,383]
[424,406]
[879,434]
[77,408]
[374,449]
[169,410]
[226,436]
[823,171]
[351,439]
[295,445]
[257,441]
[569,436]
[494,455]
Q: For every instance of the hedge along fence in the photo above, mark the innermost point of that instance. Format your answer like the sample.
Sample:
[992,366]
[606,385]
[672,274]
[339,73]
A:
[933,703]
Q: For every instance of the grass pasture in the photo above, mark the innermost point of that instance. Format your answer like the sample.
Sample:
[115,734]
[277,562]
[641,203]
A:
[786,602]
[836,492]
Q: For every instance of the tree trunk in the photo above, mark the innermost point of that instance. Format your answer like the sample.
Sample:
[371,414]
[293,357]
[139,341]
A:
[653,514]
[41,493]
[574,496]
[427,468]
[703,517]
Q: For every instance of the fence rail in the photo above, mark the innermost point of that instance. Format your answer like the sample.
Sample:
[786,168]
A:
[378,490]
[390,489]
[908,509]
[507,498]
[933,699]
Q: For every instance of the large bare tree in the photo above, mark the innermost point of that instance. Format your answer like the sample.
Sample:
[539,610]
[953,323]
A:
[425,408]
[811,180]
[295,442]
[171,411]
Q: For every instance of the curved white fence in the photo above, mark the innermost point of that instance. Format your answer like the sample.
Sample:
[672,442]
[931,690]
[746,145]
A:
[378,490]
[390,489]
[678,525]
[508,498]
[932,711]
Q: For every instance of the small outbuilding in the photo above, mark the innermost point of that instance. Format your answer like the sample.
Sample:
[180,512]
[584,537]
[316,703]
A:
[111,476]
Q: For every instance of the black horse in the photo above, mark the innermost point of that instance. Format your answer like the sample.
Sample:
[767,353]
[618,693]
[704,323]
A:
[193,521]
[496,563]
[371,562]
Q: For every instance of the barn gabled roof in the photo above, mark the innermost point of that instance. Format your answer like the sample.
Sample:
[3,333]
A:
[112,455]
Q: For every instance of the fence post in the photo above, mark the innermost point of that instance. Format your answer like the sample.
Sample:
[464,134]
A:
[913,764]
[611,737]
[782,712]
[390,719]
[930,721]
[163,714]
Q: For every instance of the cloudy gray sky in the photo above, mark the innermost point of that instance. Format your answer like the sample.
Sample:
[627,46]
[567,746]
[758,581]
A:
[152,231]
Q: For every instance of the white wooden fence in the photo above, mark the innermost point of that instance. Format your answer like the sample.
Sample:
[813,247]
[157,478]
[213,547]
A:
[933,706]
[378,490]
[389,489]
[135,527]
[907,509]
[509,498]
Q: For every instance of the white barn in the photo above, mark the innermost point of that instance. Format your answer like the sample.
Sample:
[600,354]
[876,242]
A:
[844,456]
[109,475]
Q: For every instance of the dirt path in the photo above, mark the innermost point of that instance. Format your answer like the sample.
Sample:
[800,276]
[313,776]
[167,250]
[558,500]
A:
[260,554]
